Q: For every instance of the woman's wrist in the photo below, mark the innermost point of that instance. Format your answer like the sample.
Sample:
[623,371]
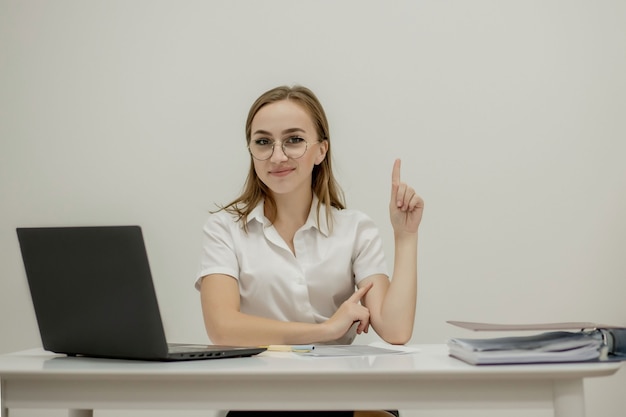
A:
[324,333]
[403,236]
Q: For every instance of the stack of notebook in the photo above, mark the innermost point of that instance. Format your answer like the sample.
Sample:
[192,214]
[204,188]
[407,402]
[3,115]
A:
[558,342]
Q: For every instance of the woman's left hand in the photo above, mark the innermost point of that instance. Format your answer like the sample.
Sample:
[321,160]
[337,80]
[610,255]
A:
[405,207]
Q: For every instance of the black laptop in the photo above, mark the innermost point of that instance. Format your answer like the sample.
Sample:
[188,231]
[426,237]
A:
[93,295]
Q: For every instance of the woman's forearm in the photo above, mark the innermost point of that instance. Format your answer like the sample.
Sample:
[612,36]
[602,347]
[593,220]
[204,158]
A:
[227,325]
[239,329]
[397,313]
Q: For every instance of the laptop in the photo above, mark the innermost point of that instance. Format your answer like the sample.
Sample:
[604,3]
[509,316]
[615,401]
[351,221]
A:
[93,295]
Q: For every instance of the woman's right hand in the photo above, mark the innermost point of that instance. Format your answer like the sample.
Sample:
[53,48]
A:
[350,312]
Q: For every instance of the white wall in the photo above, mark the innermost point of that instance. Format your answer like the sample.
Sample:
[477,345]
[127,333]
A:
[509,117]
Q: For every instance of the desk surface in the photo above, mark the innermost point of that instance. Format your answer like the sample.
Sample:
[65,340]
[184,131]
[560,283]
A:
[426,379]
[429,361]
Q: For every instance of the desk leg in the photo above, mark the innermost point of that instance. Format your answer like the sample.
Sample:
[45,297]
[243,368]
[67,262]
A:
[4,412]
[569,398]
[80,413]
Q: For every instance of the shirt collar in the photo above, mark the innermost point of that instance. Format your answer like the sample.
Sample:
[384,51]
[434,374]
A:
[312,219]
[258,214]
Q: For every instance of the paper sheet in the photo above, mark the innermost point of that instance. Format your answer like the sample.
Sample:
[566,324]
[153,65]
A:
[375,348]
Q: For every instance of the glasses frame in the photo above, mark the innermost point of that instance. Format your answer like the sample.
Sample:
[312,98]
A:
[282,145]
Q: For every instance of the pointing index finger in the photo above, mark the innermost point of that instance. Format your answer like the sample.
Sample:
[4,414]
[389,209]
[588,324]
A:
[358,294]
[395,174]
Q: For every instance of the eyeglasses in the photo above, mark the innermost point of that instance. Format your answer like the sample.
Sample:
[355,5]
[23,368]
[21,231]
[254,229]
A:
[263,149]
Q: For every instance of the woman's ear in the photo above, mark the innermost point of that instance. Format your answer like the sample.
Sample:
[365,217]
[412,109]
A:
[323,148]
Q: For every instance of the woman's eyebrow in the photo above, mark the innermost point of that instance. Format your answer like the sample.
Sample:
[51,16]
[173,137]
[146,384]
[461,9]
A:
[294,130]
[262,132]
[284,132]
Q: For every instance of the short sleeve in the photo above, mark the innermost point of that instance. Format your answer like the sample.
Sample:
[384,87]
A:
[218,254]
[369,256]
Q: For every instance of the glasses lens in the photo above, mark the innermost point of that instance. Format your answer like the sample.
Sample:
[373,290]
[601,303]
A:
[294,147]
[261,149]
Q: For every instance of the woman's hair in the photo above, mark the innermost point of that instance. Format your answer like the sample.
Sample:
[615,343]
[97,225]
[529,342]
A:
[323,183]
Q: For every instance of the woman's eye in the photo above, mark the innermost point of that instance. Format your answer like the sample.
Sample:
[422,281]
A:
[262,142]
[294,140]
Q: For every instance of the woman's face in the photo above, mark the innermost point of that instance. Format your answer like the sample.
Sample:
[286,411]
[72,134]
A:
[286,121]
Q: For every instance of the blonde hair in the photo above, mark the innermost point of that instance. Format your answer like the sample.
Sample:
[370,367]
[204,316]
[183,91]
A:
[323,181]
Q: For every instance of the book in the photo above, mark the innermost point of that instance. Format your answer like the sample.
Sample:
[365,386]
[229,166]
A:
[592,342]
[571,325]
[545,347]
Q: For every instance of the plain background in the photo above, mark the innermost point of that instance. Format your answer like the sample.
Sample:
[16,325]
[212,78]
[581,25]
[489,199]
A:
[509,117]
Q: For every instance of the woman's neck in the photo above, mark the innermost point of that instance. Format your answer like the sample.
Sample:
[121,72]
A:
[293,209]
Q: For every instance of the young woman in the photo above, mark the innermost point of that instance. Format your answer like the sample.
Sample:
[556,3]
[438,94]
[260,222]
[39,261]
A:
[281,262]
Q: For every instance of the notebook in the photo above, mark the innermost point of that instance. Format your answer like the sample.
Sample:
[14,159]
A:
[93,295]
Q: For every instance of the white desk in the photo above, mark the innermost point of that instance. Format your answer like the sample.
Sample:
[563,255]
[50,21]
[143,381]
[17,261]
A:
[428,379]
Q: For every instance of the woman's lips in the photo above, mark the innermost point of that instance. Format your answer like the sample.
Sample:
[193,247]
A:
[281,172]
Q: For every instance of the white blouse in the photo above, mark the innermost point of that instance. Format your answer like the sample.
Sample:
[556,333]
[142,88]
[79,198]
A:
[306,287]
